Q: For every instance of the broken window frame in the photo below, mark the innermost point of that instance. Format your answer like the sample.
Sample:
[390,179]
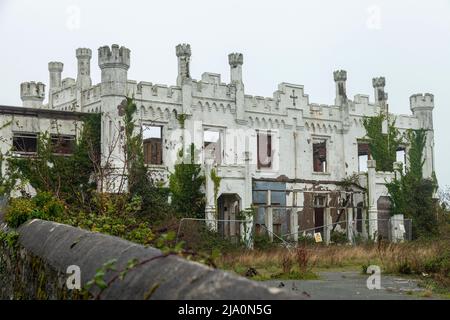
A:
[60,149]
[324,164]
[219,151]
[25,136]
[153,146]
[268,148]
[361,152]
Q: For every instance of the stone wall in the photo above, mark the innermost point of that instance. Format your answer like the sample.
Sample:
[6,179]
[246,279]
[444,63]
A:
[35,268]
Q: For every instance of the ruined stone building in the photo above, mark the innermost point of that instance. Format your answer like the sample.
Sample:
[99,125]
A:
[284,154]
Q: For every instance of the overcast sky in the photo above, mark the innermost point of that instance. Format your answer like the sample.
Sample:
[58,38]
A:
[300,42]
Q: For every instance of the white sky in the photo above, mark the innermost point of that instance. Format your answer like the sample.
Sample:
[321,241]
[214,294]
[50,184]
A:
[301,42]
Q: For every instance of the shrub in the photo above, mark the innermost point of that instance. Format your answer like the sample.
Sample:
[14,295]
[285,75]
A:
[43,206]
[19,211]
[338,237]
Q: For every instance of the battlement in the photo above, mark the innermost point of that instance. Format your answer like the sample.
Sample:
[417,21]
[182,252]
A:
[32,91]
[55,66]
[183,50]
[235,59]
[68,82]
[340,75]
[114,57]
[378,82]
[84,53]
[421,101]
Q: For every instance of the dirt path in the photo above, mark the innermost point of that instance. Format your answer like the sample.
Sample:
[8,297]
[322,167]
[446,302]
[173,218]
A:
[351,285]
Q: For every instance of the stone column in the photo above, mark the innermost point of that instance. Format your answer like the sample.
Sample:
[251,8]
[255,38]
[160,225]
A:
[294,218]
[327,228]
[247,228]
[268,213]
[210,208]
[371,188]
[350,225]
[397,224]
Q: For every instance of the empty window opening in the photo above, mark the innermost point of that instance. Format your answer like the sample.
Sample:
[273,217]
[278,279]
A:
[264,149]
[212,145]
[320,156]
[363,156]
[152,140]
[63,144]
[401,156]
[25,143]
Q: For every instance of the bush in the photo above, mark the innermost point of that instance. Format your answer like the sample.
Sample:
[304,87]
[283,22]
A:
[19,211]
[43,206]
[338,237]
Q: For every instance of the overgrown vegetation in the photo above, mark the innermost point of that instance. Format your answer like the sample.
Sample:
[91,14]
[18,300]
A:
[186,183]
[410,194]
[383,146]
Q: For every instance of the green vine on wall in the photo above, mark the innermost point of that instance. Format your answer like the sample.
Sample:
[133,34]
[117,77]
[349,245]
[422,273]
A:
[410,193]
[383,146]
[216,181]
[182,119]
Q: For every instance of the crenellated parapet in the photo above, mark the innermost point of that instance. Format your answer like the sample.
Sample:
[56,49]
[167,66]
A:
[32,94]
[235,59]
[114,57]
[340,75]
[379,82]
[183,50]
[421,101]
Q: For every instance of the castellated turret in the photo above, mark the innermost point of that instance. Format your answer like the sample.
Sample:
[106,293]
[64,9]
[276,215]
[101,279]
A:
[55,70]
[114,63]
[340,78]
[422,106]
[183,52]
[32,94]
[380,95]
[236,60]
[84,56]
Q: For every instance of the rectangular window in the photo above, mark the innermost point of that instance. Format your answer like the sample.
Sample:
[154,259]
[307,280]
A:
[212,145]
[401,156]
[63,144]
[264,149]
[25,143]
[152,140]
[363,156]
[320,156]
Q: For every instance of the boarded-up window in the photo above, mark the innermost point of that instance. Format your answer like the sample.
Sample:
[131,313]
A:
[320,156]
[264,149]
[25,143]
[152,136]
[212,145]
[363,156]
[63,144]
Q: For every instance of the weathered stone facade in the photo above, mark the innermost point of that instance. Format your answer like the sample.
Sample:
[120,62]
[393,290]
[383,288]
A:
[305,146]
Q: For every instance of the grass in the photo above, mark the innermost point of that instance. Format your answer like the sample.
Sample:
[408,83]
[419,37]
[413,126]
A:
[428,260]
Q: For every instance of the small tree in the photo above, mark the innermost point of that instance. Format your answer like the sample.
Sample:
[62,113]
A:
[154,198]
[185,185]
